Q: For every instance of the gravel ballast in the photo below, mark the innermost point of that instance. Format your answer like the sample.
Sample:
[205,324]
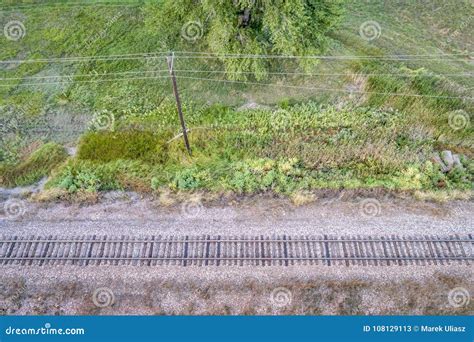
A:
[264,216]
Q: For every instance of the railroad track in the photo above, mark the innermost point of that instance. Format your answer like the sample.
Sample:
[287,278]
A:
[236,250]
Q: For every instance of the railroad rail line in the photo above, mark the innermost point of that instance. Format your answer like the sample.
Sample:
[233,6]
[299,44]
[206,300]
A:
[208,250]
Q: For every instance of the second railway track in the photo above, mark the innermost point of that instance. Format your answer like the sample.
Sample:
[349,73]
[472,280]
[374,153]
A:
[282,250]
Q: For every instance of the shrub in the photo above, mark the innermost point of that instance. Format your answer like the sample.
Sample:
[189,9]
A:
[247,27]
[133,145]
[36,166]
[252,176]
[92,176]
[190,179]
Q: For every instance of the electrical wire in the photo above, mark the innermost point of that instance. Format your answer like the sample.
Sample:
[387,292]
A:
[253,83]
[325,89]
[204,55]
[226,72]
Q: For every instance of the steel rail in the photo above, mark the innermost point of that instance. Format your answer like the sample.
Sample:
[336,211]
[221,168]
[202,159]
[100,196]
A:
[236,250]
[166,239]
[235,258]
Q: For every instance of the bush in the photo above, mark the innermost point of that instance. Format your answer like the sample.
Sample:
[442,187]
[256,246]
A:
[247,27]
[36,166]
[258,175]
[190,179]
[133,145]
[90,176]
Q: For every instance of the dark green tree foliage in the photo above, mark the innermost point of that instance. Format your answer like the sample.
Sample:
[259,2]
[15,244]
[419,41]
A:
[246,27]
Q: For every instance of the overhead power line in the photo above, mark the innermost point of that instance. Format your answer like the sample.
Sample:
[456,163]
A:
[69,4]
[141,72]
[83,75]
[86,59]
[204,55]
[326,89]
[250,83]
[85,81]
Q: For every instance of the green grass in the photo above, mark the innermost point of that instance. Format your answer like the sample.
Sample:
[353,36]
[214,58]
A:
[109,146]
[99,31]
[331,139]
[38,165]
[302,147]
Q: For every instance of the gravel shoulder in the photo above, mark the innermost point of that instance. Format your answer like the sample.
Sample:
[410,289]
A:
[299,290]
[267,216]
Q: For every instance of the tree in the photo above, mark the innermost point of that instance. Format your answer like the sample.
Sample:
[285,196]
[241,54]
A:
[246,27]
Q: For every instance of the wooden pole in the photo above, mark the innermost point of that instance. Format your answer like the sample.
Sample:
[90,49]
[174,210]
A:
[170,61]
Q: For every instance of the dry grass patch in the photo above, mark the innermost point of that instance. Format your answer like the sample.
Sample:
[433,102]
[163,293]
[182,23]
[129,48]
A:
[300,198]
[245,296]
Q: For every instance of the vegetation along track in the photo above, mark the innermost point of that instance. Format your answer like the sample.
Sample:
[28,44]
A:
[234,250]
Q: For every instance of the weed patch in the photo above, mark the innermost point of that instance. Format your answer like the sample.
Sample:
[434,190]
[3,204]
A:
[255,151]
[36,166]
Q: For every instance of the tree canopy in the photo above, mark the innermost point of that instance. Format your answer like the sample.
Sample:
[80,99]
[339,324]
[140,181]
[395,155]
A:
[246,27]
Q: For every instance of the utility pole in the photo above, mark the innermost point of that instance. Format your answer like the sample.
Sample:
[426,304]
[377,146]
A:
[170,61]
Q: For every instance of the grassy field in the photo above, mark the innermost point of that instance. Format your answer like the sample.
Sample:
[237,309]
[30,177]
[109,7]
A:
[351,123]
